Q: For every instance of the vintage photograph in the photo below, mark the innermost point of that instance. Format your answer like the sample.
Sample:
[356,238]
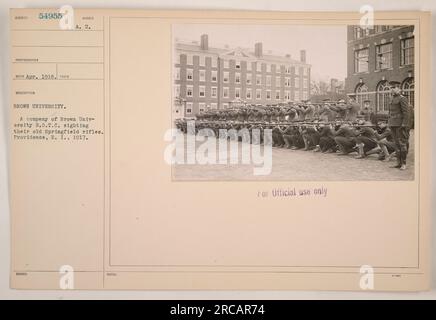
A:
[290,102]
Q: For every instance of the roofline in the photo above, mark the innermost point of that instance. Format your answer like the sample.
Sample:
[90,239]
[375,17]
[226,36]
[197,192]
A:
[271,58]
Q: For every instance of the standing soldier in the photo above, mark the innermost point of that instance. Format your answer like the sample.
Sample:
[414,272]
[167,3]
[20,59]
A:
[340,108]
[326,113]
[367,112]
[291,113]
[399,124]
[353,109]
[309,112]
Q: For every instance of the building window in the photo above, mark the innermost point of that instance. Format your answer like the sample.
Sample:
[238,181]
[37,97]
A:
[213,105]
[202,75]
[189,74]
[189,107]
[361,94]
[202,61]
[258,80]
[237,78]
[268,94]
[189,91]
[213,92]
[177,74]
[358,33]
[248,65]
[287,95]
[202,91]
[305,83]
[305,95]
[225,105]
[278,95]
[177,90]
[361,60]
[226,76]
[296,82]
[248,94]
[305,71]
[248,79]
[226,64]
[237,93]
[383,96]
[238,65]
[287,82]
[288,69]
[297,71]
[409,90]
[258,67]
[189,59]
[297,95]
[225,92]
[407,51]
[214,77]
[201,107]
[278,84]
[382,28]
[268,81]
[214,62]
[384,56]
[258,94]
[268,68]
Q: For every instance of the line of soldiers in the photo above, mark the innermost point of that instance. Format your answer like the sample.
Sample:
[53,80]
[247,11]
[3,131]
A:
[327,111]
[331,127]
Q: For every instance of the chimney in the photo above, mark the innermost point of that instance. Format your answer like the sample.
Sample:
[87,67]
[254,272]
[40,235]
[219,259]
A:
[204,44]
[288,56]
[303,56]
[258,49]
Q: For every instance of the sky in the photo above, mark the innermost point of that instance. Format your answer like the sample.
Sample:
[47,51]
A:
[326,46]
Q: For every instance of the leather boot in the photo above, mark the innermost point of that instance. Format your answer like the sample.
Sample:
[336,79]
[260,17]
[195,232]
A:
[399,160]
[403,160]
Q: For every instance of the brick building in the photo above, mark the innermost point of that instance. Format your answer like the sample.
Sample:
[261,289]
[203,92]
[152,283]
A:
[211,78]
[377,59]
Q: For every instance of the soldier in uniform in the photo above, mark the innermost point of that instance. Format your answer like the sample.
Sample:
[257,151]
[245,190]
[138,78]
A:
[367,112]
[299,109]
[353,109]
[309,112]
[326,113]
[287,136]
[385,142]
[399,123]
[345,138]
[252,114]
[311,137]
[297,138]
[327,142]
[277,136]
[282,113]
[340,109]
[366,141]
[253,127]
[291,113]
